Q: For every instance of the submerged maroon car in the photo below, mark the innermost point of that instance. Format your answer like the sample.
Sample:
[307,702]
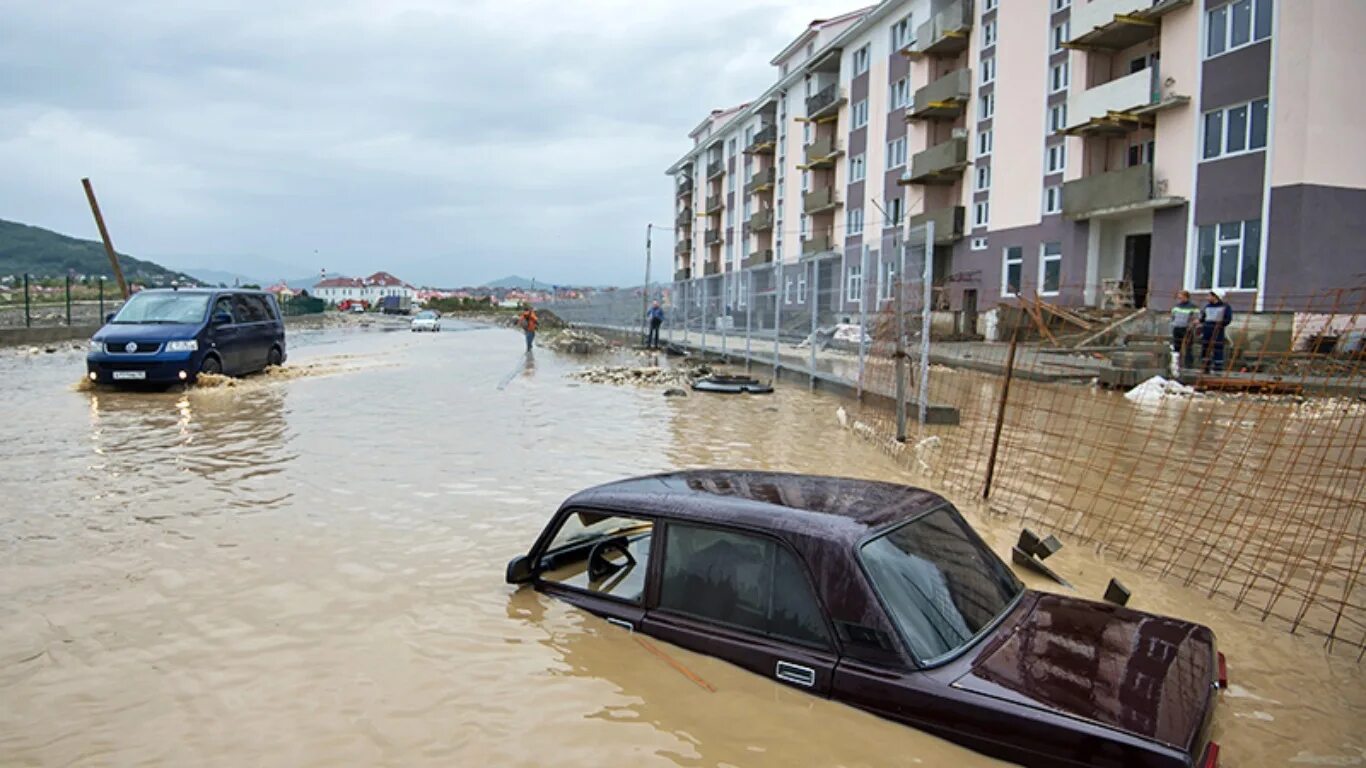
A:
[883,597]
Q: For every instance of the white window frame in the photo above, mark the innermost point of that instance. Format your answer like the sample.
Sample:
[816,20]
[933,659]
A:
[899,94]
[985,140]
[981,214]
[1225,129]
[903,33]
[981,178]
[988,69]
[1006,263]
[1061,5]
[1056,84]
[805,225]
[1055,158]
[979,244]
[1057,117]
[1052,199]
[853,283]
[854,222]
[1061,34]
[741,289]
[858,167]
[989,34]
[886,280]
[787,289]
[986,106]
[988,5]
[1255,11]
[860,114]
[862,57]
[896,153]
[1220,242]
[894,212]
[801,285]
[1044,259]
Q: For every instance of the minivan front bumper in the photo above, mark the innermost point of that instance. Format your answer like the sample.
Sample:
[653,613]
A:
[158,368]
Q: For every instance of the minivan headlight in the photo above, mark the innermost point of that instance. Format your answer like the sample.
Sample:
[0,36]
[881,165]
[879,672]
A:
[183,345]
[96,345]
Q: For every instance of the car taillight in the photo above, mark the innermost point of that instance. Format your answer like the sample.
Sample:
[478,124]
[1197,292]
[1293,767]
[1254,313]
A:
[1211,756]
[1223,678]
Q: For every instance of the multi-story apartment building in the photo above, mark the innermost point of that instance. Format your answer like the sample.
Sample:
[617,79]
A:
[1091,152]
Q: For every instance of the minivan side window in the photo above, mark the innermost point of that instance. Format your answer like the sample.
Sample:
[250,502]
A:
[744,581]
[223,306]
[251,309]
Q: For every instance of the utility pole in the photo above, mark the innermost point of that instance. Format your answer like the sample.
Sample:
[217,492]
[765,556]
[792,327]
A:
[645,295]
[104,235]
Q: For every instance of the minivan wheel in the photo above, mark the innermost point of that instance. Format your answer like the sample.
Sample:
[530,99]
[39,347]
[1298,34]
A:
[210,364]
[274,357]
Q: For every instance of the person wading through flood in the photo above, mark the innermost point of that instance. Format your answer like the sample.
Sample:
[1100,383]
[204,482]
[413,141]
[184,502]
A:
[1214,318]
[1183,330]
[656,318]
[528,322]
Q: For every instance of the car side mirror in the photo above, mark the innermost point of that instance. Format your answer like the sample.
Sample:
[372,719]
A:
[520,570]
[109,318]
[222,318]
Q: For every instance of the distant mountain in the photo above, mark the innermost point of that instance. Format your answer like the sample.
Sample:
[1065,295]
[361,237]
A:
[518,283]
[223,277]
[44,253]
[303,283]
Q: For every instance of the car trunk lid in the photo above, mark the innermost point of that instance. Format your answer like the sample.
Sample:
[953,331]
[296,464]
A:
[1150,676]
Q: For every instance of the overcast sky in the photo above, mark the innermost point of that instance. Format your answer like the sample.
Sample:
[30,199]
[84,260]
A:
[450,142]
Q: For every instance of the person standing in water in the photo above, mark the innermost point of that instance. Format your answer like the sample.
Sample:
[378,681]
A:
[528,322]
[1183,330]
[656,318]
[1214,318]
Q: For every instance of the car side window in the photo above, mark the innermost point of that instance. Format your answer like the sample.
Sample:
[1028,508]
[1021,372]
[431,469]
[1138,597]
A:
[603,553]
[224,307]
[744,581]
[250,309]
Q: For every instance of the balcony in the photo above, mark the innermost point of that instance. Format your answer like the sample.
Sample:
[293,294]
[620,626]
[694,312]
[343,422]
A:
[685,187]
[761,221]
[715,168]
[826,102]
[683,274]
[944,99]
[1117,24]
[764,141]
[1113,193]
[940,164]
[683,246]
[711,268]
[684,219]
[757,259]
[946,33]
[1119,106]
[761,181]
[819,200]
[713,205]
[822,153]
[713,237]
[815,244]
[948,223]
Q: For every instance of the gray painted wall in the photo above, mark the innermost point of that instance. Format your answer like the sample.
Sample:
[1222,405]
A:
[1229,189]
[1317,242]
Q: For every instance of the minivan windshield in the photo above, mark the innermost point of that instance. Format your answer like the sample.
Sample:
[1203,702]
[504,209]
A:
[159,307]
[939,582]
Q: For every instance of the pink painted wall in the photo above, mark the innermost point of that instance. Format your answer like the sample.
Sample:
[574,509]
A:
[1177,128]
[1021,105]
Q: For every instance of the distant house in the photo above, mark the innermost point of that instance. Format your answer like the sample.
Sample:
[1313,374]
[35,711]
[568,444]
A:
[282,291]
[369,289]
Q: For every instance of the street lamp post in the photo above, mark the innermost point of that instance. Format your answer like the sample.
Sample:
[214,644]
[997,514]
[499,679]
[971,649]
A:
[645,294]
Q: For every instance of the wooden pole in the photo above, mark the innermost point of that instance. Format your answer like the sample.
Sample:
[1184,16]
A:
[104,235]
[1001,411]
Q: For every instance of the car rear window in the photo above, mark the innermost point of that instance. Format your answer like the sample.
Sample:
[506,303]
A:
[743,581]
[941,585]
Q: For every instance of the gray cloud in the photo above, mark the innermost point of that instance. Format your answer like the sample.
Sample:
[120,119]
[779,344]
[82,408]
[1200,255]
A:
[449,142]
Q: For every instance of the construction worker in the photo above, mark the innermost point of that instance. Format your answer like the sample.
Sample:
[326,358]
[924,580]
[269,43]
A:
[656,318]
[1184,317]
[1214,318]
[528,323]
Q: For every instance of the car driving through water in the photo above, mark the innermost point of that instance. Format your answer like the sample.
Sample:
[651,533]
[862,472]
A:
[883,597]
[165,336]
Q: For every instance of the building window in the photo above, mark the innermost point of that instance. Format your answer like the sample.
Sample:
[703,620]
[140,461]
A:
[983,179]
[854,222]
[887,285]
[1052,199]
[730,217]
[731,148]
[861,58]
[900,94]
[981,213]
[1236,130]
[742,290]
[1060,36]
[989,34]
[896,153]
[986,106]
[747,208]
[1057,117]
[1050,268]
[1012,270]
[801,287]
[1229,255]
[730,182]
[805,225]
[988,5]
[1057,158]
[853,283]
[1061,5]
[894,212]
[1059,76]
[787,289]
[979,243]
[860,113]
[984,143]
[857,168]
[903,33]
[1140,154]
[806,180]
[988,69]
[1234,25]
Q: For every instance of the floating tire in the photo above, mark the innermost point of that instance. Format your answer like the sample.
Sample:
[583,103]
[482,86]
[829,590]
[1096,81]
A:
[732,385]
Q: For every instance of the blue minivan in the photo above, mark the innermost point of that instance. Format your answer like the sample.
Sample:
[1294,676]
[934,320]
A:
[166,336]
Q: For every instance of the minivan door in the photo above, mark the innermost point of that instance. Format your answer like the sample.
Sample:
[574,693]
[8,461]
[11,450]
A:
[746,599]
[226,338]
[258,330]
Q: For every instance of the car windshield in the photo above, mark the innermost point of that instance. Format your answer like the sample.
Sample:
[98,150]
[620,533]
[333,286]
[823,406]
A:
[940,583]
[160,307]
[427,315]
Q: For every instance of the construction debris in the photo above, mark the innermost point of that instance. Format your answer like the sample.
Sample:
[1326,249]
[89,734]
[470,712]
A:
[1116,593]
[1158,388]
[643,376]
[1029,562]
[576,342]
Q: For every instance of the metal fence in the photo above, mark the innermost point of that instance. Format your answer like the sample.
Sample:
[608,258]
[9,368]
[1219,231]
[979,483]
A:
[28,302]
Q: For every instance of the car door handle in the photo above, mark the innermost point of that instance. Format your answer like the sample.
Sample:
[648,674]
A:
[796,674]
[626,625]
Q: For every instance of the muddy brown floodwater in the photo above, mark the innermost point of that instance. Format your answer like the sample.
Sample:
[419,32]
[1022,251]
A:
[306,569]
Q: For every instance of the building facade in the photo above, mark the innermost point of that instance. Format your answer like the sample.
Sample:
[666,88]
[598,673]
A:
[1088,152]
[368,289]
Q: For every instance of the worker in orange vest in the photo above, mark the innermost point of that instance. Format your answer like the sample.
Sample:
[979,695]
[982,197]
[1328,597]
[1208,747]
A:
[528,322]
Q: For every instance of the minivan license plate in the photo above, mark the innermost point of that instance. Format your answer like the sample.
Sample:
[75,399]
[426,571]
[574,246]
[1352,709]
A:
[123,375]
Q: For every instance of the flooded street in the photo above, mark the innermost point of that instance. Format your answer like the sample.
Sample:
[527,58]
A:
[306,569]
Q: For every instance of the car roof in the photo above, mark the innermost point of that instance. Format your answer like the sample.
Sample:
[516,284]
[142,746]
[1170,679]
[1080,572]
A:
[205,290]
[846,509]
